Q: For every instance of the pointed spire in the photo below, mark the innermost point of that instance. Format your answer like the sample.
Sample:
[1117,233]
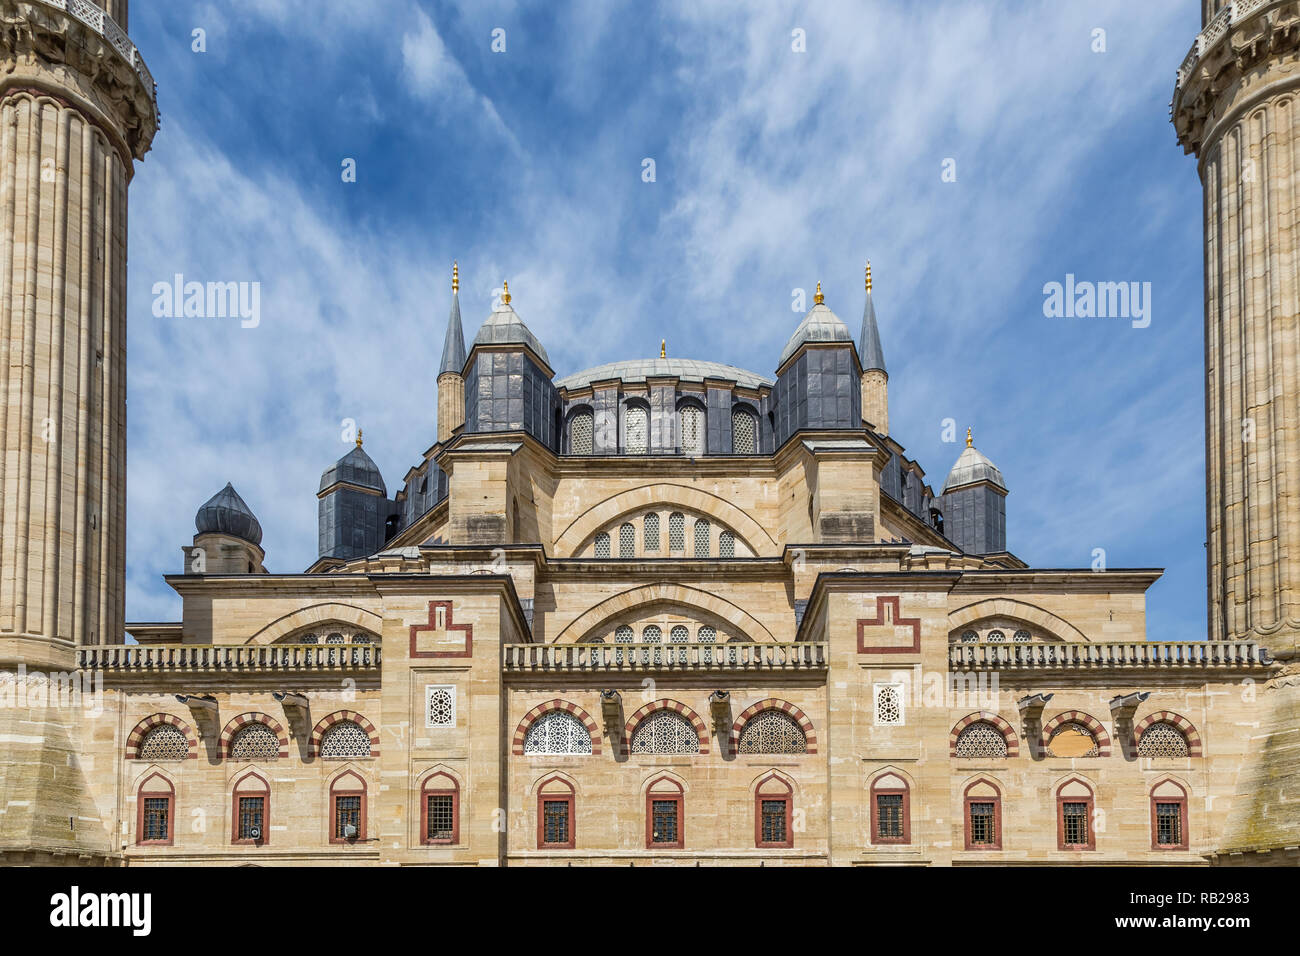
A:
[453,346]
[869,350]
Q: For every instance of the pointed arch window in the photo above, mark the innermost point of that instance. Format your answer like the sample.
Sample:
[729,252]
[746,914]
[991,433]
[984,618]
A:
[726,544]
[627,541]
[677,532]
[744,432]
[983,812]
[602,545]
[251,811]
[692,422]
[582,433]
[636,439]
[347,809]
[773,810]
[703,538]
[555,816]
[664,815]
[440,810]
[651,532]
[1168,816]
[891,808]
[156,798]
[1074,816]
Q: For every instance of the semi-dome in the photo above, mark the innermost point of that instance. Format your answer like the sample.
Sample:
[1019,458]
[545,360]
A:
[504,327]
[688,370]
[820,324]
[971,466]
[226,513]
[356,468]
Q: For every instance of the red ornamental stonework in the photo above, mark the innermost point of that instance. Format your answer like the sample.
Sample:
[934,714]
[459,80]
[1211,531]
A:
[889,616]
[438,638]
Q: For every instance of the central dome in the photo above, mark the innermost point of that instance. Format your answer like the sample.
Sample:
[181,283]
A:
[638,370]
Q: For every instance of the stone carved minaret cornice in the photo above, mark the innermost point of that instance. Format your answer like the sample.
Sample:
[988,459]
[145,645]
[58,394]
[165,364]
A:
[46,46]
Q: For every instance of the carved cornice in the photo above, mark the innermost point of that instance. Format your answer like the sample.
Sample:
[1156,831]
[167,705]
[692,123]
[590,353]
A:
[77,53]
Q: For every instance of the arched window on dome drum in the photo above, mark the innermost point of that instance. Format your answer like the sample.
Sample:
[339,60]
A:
[557,732]
[627,541]
[602,545]
[726,544]
[692,419]
[163,742]
[707,635]
[772,732]
[679,635]
[581,433]
[651,635]
[665,732]
[703,538]
[636,440]
[744,432]
[651,531]
[981,739]
[623,635]
[677,531]
[345,739]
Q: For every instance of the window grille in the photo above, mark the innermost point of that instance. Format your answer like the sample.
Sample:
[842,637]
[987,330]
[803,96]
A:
[1163,740]
[251,812]
[889,704]
[440,705]
[651,635]
[637,430]
[981,739]
[663,820]
[1021,637]
[623,635]
[1075,823]
[345,739]
[627,541]
[703,539]
[1169,824]
[726,544]
[692,419]
[157,814]
[581,432]
[555,821]
[255,742]
[665,732]
[677,531]
[744,433]
[164,742]
[347,812]
[308,639]
[889,816]
[602,545]
[651,528]
[996,637]
[441,817]
[772,732]
[773,821]
[680,635]
[706,635]
[969,637]
[982,829]
[557,732]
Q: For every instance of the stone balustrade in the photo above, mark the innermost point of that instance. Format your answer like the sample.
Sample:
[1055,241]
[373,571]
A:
[93,16]
[1218,28]
[229,658]
[1128,655]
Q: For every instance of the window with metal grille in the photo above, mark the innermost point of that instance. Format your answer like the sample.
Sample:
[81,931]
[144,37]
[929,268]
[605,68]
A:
[163,742]
[996,637]
[744,433]
[1169,824]
[347,813]
[1074,823]
[255,742]
[637,430]
[665,732]
[441,817]
[726,544]
[773,823]
[889,816]
[557,732]
[345,739]
[581,432]
[157,819]
[251,812]
[692,419]
[602,545]
[969,637]
[679,635]
[555,821]
[1163,740]
[703,538]
[651,532]
[627,541]
[1021,637]
[677,531]
[623,635]
[981,739]
[982,824]
[651,635]
[707,634]
[664,821]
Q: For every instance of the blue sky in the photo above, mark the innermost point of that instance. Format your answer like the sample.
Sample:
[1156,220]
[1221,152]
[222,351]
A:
[774,169]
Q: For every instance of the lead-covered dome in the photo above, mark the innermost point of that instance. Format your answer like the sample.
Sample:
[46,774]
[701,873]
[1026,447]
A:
[820,324]
[504,327]
[226,513]
[971,467]
[355,468]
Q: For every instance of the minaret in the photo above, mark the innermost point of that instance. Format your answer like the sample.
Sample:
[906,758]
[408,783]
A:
[77,109]
[451,384]
[875,380]
[1234,106]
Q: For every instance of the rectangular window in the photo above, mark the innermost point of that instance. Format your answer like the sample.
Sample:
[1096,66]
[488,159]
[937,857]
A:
[1169,824]
[982,824]
[347,813]
[889,817]
[156,826]
[440,821]
[1074,823]
[664,822]
[555,823]
[439,705]
[889,704]
[251,819]
[774,822]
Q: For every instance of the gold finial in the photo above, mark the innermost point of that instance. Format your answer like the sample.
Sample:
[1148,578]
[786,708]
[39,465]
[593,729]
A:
[505,292]
[818,299]
[358,437]
[868,275]
[455,276]
[970,442]
[663,348]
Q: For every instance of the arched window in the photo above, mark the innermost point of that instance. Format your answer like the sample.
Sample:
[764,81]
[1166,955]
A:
[347,809]
[969,637]
[440,810]
[336,638]
[680,635]
[651,532]
[255,742]
[581,433]
[676,531]
[555,816]
[981,739]
[623,635]
[1072,739]
[1163,740]
[891,810]
[163,742]
[996,637]
[557,732]
[664,815]
[156,798]
[602,545]
[744,432]
[1021,637]
[1168,816]
[1074,814]
[692,423]
[773,809]
[651,635]
[726,544]
[772,732]
[665,732]
[636,430]
[703,538]
[626,541]
[345,740]
[251,811]
[983,812]
[707,635]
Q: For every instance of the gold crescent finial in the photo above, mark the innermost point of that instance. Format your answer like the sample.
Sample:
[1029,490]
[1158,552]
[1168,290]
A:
[818,299]
[663,348]
[505,292]
[868,275]
[970,442]
[455,276]
[358,437]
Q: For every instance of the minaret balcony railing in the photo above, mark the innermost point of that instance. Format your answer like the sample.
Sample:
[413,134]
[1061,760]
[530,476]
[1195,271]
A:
[94,16]
[1218,28]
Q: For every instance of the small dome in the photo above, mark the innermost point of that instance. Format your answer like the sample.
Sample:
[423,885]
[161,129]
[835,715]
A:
[356,468]
[226,513]
[819,325]
[971,467]
[504,327]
